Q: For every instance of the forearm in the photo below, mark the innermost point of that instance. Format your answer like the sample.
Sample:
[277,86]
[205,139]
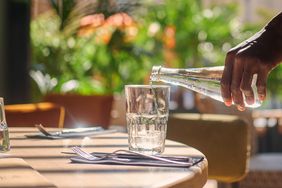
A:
[266,45]
[274,28]
[275,25]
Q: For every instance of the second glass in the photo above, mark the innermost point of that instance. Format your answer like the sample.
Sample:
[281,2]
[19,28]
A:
[4,133]
[147,109]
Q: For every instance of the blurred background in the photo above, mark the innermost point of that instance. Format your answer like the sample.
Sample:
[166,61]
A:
[95,47]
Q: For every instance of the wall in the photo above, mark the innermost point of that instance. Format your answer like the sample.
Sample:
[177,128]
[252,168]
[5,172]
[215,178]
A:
[14,50]
[2,48]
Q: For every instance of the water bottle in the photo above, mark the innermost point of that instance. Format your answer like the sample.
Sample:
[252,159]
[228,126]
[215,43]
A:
[204,80]
[4,133]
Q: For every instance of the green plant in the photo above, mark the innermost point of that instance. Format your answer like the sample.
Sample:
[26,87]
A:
[69,56]
[87,48]
[197,36]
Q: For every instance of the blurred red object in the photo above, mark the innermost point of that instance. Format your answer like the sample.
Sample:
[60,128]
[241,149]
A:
[27,115]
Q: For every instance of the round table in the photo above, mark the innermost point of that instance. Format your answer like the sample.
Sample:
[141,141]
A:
[46,157]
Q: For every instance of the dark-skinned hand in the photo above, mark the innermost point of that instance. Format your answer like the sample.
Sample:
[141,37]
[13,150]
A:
[257,55]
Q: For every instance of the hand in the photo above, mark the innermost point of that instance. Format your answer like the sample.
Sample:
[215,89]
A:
[257,55]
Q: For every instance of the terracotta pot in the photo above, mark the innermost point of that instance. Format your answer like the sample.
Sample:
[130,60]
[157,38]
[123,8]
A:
[93,110]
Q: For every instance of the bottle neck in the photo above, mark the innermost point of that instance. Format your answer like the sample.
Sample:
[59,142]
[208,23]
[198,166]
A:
[159,71]
[205,72]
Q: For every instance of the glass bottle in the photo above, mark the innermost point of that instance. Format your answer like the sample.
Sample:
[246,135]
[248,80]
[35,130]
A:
[204,80]
[4,133]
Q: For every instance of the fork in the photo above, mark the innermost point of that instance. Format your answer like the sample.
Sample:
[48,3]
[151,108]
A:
[91,157]
[72,132]
[42,129]
[113,155]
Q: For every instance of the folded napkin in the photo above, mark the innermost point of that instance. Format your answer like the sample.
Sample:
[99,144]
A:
[141,160]
[72,133]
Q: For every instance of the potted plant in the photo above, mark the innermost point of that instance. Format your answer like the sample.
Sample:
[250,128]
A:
[86,50]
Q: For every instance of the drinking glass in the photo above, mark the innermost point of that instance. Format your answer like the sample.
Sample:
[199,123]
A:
[147,112]
[4,133]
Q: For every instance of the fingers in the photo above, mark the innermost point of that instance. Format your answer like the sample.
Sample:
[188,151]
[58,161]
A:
[261,84]
[226,79]
[246,84]
[237,74]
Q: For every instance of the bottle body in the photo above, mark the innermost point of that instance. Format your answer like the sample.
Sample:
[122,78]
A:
[204,80]
[4,132]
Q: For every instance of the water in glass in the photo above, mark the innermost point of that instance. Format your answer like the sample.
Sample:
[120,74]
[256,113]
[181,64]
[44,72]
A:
[148,132]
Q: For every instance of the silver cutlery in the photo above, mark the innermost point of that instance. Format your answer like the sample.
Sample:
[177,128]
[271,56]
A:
[91,157]
[43,130]
[88,131]
[114,156]
[133,156]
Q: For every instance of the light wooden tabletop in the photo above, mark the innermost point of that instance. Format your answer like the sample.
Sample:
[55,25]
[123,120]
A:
[45,156]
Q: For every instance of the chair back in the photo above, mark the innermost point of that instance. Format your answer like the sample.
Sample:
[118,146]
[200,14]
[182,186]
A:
[222,138]
[84,110]
[26,115]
